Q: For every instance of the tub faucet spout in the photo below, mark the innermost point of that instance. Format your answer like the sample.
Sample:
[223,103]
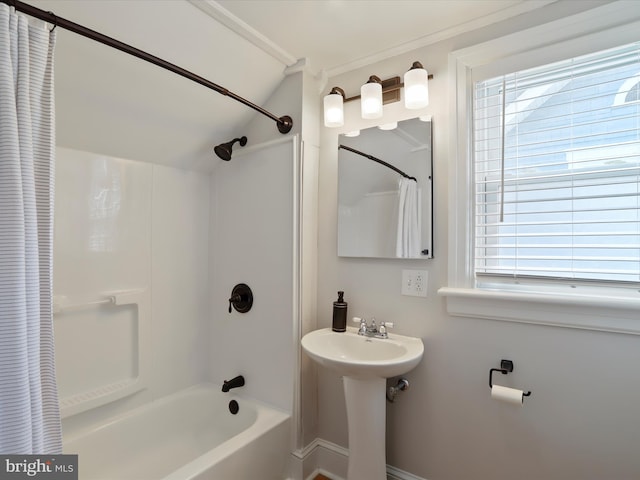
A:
[233,383]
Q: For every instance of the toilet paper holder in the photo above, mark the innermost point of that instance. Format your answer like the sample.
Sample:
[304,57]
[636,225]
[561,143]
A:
[506,366]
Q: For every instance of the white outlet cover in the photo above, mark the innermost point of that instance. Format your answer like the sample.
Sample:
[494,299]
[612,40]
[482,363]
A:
[414,283]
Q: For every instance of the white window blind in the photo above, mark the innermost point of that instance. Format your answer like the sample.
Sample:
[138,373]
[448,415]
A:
[557,170]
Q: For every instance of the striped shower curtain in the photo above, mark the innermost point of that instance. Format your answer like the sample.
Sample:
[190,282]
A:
[29,412]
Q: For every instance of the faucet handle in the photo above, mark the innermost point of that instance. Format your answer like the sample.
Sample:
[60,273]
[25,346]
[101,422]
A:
[383,328]
[363,324]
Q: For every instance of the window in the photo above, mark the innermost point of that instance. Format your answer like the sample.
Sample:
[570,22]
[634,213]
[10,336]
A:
[629,91]
[546,228]
[557,171]
[633,94]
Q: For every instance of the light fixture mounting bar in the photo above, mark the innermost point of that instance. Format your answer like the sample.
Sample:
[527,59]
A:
[390,90]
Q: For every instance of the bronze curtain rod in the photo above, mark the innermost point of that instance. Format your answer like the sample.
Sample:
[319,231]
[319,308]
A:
[284,123]
[381,162]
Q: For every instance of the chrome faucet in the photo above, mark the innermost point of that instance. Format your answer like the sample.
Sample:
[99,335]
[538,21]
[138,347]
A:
[362,330]
[372,330]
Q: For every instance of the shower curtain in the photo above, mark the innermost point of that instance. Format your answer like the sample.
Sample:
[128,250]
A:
[29,411]
[409,233]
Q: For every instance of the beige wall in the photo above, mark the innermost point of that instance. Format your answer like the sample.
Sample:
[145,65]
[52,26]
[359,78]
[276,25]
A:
[581,420]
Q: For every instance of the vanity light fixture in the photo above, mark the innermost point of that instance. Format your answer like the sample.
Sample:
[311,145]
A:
[416,87]
[371,98]
[334,108]
[376,93]
[388,126]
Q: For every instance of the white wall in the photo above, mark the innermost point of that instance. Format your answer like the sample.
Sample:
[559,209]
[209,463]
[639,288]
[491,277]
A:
[122,224]
[580,422]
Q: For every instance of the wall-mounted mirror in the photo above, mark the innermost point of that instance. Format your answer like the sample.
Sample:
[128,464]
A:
[385,192]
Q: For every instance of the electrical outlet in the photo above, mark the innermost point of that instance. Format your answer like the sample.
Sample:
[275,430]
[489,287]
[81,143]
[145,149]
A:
[414,283]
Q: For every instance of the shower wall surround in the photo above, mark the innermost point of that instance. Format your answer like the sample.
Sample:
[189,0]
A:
[185,238]
[122,225]
[102,229]
[252,240]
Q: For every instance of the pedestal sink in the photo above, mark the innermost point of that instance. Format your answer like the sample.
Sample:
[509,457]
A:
[365,363]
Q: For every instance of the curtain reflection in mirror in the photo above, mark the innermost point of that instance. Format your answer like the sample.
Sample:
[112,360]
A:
[409,231]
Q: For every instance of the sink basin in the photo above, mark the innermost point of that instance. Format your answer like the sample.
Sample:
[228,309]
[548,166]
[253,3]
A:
[356,356]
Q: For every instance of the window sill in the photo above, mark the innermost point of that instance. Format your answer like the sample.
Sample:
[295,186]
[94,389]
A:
[605,313]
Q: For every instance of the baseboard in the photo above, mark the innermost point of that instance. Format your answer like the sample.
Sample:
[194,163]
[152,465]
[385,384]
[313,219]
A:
[320,457]
[394,473]
[331,460]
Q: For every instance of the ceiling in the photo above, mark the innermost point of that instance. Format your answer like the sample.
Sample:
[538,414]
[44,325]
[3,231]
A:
[338,35]
[110,103]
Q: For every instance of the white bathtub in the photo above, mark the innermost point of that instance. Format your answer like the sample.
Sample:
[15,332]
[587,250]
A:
[188,435]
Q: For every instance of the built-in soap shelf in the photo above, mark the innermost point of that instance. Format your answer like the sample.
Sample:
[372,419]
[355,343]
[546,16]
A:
[94,321]
[60,304]
[82,399]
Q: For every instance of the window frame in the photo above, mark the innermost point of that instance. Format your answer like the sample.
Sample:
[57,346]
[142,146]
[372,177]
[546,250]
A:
[590,307]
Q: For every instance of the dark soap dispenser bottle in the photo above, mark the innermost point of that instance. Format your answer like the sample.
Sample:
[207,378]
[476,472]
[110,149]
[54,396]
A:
[339,314]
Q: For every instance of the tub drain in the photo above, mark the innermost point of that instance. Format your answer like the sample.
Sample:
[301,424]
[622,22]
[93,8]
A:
[234,407]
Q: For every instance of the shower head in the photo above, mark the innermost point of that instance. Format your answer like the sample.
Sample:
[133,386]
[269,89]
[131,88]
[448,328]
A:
[224,150]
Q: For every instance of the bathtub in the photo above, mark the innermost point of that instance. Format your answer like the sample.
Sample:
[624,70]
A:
[188,435]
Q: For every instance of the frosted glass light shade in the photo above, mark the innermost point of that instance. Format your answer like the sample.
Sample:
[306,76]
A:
[388,126]
[416,88]
[333,110]
[371,100]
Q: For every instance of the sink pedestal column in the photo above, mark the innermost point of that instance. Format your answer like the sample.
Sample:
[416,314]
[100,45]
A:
[366,419]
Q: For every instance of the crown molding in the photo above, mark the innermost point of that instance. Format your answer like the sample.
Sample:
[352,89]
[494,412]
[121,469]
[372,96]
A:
[430,39]
[229,20]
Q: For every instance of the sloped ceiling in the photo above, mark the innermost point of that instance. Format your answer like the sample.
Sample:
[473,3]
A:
[111,103]
[115,104]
